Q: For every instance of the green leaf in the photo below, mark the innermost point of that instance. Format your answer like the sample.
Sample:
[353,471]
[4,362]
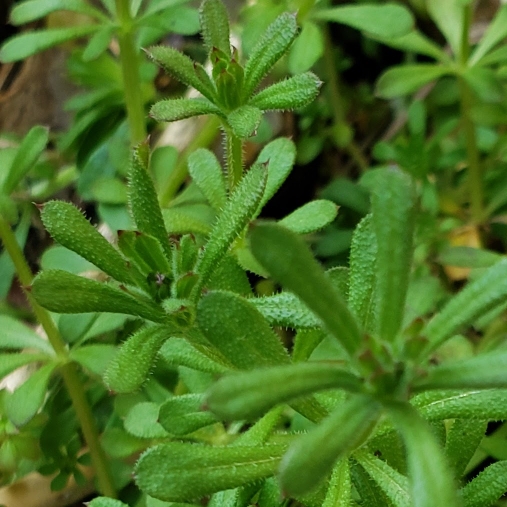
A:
[180,471]
[28,152]
[485,489]
[391,482]
[142,421]
[430,480]
[144,201]
[196,218]
[32,10]
[468,257]
[71,229]
[22,46]
[179,109]
[406,79]
[16,335]
[109,190]
[106,502]
[272,45]
[488,404]
[131,367]
[25,401]
[279,156]
[307,48]
[480,372]
[181,415]
[184,69]
[416,42]
[477,298]
[393,210]
[495,33]
[450,18]
[291,93]
[11,362]
[386,21]
[98,43]
[288,259]
[339,488]
[486,83]
[237,329]
[215,26]
[312,456]
[310,217]
[94,357]
[207,173]
[63,292]
[244,121]
[239,210]
[248,395]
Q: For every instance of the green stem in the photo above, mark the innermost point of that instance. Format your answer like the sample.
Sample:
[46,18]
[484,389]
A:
[129,58]
[204,137]
[69,371]
[466,100]
[234,147]
[339,119]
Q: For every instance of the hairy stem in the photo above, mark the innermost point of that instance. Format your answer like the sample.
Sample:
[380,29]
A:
[129,59]
[68,370]
[234,147]
[466,100]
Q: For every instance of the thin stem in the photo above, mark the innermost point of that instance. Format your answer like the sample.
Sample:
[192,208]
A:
[337,108]
[234,147]
[204,137]
[69,371]
[129,58]
[466,100]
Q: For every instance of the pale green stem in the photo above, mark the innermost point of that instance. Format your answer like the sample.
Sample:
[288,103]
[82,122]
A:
[68,370]
[466,98]
[336,103]
[204,137]
[129,59]
[234,147]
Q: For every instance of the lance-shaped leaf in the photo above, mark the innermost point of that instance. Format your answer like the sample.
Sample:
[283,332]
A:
[244,121]
[99,43]
[285,309]
[70,228]
[339,488]
[63,292]
[179,471]
[11,362]
[416,42]
[297,91]
[215,26]
[102,501]
[183,69]
[312,456]
[495,33]
[179,109]
[485,489]
[393,206]
[477,298]
[488,404]
[391,482]
[406,79]
[248,395]
[237,329]
[430,477]
[238,211]
[16,335]
[310,217]
[181,415]
[32,10]
[27,154]
[386,21]
[22,46]
[94,357]
[130,368]
[289,261]
[449,17]
[25,401]
[275,41]
[207,174]
[193,218]
[143,199]
[480,372]
[363,254]
[142,421]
